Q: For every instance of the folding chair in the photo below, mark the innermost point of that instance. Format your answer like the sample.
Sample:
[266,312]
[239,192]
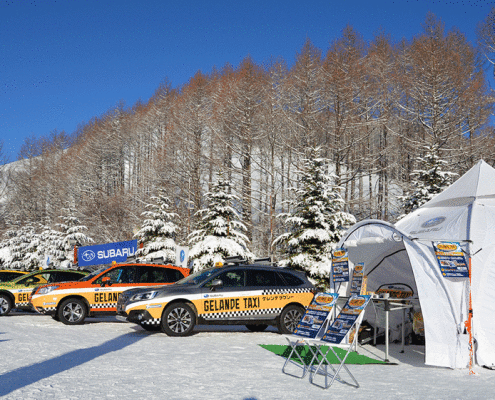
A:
[312,326]
[351,316]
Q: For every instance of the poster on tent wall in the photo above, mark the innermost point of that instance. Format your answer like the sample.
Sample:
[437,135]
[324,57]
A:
[316,314]
[357,279]
[451,259]
[340,266]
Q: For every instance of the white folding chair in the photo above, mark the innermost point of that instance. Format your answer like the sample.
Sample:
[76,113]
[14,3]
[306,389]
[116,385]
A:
[312,326]
[336,336]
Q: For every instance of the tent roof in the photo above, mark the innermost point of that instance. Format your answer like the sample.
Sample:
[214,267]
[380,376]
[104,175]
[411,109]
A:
[479,181]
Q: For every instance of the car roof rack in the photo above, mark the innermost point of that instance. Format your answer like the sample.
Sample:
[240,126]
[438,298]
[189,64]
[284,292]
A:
[236,260]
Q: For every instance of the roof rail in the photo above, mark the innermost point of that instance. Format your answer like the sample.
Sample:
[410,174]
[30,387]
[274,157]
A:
[236,260]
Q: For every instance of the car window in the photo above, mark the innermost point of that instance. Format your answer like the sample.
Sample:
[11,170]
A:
[291,279]
[174,275]
[124,274]
[38,278]
[233,278]
[8,276]
[66,276]
[198,277]
[258,277]
[93,274]
[148,274]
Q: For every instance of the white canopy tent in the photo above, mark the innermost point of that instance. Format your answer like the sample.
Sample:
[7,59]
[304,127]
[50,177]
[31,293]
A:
[403,254]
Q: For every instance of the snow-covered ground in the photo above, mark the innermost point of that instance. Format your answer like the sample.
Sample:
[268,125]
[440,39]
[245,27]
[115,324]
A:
[44,359]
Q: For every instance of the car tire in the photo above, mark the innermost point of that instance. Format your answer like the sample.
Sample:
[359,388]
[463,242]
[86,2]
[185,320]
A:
[151,328]
[178,320]
[72,312]
[5,304]
[289,318]
[257,328]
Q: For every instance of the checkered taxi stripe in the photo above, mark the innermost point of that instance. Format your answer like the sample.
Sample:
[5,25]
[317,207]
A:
[284,291]
[152,321]
[47,309]
[21,304]
[104,305]
[231,314]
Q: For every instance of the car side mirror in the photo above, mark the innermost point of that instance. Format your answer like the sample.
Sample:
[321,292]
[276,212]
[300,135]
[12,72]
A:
[216,283]
[106,281]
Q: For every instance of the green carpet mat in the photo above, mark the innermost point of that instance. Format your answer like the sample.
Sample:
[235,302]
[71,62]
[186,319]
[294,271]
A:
[306,355]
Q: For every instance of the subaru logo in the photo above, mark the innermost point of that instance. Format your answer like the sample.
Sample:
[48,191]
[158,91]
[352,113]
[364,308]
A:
[88,255]
[433,222]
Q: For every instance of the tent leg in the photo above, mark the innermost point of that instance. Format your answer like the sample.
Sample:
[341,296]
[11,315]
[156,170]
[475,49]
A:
[387,309]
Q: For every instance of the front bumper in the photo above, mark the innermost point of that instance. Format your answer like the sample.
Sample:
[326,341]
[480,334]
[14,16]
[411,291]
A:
[44,310]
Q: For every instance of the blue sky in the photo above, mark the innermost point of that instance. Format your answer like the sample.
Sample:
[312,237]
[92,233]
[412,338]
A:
[63,62]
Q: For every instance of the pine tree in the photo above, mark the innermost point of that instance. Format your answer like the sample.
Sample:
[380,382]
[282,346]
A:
[71,234]
[158,231]
[317,220]
[20,240]
[220,232]
[428,181]
[51,248]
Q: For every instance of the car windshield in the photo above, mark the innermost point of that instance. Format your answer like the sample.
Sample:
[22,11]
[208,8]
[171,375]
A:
[93,274]
[198,277]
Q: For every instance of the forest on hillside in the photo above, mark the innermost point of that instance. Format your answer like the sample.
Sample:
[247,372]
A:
[372,107]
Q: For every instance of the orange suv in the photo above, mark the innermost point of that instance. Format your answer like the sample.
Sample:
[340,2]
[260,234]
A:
[97,293]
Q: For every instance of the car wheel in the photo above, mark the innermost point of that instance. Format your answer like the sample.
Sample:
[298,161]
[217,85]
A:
[5,304]
[150,328]
[72,312]
[178,320]
[289,318]
[257,328]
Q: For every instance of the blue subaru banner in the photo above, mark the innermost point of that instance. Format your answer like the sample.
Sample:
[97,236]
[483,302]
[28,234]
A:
[106,253]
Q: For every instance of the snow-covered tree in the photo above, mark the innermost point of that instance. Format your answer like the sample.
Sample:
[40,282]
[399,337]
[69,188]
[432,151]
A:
[430,179]
[51,245]
[72,234]
[220,232]
[158,231]
[317,220]
[20,240]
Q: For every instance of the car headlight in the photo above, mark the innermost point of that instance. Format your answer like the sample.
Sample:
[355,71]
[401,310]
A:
[46,289]
[144,296]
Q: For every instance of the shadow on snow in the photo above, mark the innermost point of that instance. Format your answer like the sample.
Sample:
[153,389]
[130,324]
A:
[26,376]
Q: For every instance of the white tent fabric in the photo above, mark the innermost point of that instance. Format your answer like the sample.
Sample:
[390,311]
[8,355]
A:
[465,213]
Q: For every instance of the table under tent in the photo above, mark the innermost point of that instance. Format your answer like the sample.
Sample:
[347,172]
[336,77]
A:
[402,256]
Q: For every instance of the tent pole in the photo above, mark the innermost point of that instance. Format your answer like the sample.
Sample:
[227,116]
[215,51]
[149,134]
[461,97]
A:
[469,324]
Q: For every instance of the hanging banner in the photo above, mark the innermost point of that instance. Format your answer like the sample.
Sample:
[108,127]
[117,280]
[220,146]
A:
[181,256]
[357,279]
[343,323]
[451,259]
[106,253]
[340,266]
[316,314]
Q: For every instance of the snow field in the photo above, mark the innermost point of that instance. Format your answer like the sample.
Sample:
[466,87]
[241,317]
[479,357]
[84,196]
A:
[107,359]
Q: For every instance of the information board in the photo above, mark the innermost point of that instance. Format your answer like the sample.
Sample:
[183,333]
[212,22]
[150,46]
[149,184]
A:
[340,266]
[357,279]
[345,320]
[451,260]
[316,314]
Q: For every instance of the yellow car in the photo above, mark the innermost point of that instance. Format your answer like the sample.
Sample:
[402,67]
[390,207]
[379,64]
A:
[15,293]
[252,295]
[97,293]
[7,275]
